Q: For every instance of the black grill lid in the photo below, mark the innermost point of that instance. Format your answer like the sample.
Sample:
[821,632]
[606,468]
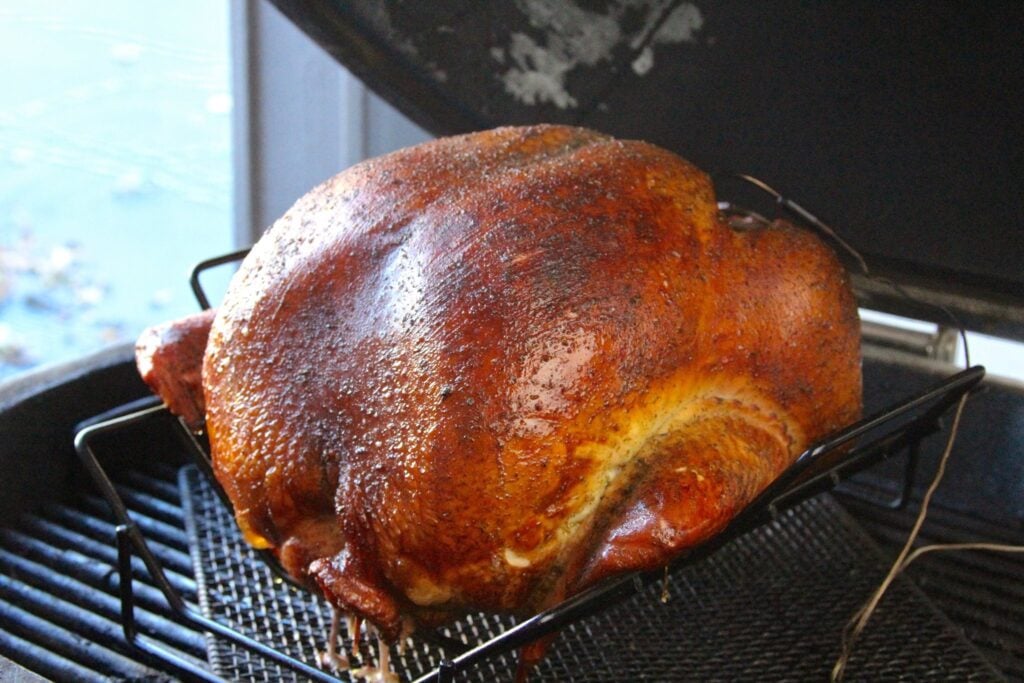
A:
[899,123]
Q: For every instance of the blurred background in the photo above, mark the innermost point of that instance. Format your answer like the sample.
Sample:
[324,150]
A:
[115,168]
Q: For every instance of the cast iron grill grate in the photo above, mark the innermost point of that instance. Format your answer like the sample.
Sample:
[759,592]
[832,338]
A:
[768,606]
[59,606]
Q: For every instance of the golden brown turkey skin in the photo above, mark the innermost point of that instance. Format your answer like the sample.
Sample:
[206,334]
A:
[486,371]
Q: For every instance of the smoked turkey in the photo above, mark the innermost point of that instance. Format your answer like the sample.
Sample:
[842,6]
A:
[487,371]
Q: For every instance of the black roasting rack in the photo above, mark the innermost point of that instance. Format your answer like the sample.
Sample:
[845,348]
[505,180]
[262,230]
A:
[480,641]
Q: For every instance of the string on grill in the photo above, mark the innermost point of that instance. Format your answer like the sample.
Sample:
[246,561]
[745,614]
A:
[858,622]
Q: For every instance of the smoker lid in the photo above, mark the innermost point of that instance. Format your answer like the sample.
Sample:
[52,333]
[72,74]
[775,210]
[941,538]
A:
[900,126]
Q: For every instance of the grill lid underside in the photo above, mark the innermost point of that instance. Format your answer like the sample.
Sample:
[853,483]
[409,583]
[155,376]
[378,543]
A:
[894,124]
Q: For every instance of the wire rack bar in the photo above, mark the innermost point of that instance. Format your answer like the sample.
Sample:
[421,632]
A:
[202,266]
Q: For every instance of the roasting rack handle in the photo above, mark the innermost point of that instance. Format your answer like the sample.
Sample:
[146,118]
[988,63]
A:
[127,536]
[121,418]
[202,266]
[130,540]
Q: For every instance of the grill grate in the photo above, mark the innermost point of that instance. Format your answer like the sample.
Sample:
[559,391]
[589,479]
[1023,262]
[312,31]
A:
[59,604]
[981,592]
[769,606]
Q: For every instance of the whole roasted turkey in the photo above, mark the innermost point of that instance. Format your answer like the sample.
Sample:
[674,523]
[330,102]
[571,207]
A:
[487,371]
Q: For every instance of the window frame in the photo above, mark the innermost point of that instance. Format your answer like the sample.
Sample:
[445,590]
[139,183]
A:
[299,117]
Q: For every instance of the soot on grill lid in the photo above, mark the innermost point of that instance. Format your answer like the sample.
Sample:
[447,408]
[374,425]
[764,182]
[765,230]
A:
[896,121]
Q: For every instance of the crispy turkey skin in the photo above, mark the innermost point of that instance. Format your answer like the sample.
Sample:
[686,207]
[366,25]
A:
[487,371]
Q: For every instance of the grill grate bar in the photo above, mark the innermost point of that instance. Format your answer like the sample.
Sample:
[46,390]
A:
[146,504]
[167,534]
[75,594]
[61,613]
[99,575]
[87,652]
[156,484]
[42,661]
[171,557]
[60,587]
[104,551]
